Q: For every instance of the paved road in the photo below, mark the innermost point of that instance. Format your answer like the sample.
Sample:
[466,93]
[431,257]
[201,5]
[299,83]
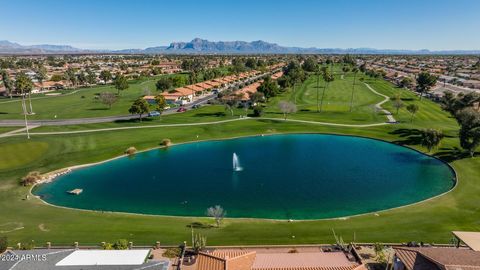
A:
[105,119]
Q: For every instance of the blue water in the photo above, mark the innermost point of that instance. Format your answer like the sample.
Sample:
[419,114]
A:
[302,176]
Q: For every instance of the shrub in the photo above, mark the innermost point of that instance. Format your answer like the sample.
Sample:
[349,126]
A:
[166,142]
[31,178]
[107,246]
[172,253]
[3,244]
[131,151]
[27,246]
[257,111]
[121,244]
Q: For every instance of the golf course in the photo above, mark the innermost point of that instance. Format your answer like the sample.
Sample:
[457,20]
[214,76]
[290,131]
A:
[26,218]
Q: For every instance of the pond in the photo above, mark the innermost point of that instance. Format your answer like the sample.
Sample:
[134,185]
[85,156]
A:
[296,176]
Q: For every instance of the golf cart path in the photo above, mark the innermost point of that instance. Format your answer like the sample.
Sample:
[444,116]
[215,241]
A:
[17,133]
[388,114]
[391,120]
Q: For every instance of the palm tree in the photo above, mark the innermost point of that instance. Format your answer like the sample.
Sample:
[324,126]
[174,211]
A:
[412,109]
[431,138]
[318,90]
[24,85]
[327,77]
[355,71]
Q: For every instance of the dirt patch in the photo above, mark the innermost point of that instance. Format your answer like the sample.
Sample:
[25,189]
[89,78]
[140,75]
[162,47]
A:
[42,228]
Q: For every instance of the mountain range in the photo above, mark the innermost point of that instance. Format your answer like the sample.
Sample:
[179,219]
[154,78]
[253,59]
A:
[202,46]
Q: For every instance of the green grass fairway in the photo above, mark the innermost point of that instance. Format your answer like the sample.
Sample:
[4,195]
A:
[79,103]
[431,221]
[18,154]
[336,104]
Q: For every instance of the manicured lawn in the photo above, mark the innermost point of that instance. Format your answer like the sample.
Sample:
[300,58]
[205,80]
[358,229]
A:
[18,154]
[336,103]
[429,221]
[81,103]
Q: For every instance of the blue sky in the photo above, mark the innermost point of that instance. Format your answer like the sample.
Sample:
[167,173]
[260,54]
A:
[117,24]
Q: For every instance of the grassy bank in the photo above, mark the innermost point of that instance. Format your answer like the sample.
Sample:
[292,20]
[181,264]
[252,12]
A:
[30,219]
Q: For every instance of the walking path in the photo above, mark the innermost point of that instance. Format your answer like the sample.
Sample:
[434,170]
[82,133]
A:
[17,131]
[391,120]
[388,114]
[196,124]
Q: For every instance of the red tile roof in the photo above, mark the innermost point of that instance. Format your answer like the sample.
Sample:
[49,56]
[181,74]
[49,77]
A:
[303,261]
[447,258]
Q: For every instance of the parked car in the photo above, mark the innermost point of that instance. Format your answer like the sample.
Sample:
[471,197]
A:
[181,109]
[153,114]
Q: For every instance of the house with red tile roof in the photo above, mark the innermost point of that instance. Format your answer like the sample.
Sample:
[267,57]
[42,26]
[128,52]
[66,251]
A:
[436,258]
[274,259]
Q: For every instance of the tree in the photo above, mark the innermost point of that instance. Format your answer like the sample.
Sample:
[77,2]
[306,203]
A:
[24,85]
[269,88]
[327,77]
[82,78]
[257,97]
[287,107]
[309,65]
[345,69]
[355,71]
[164,83]
[231,101]
[106,76]
[455,103]
[257,111]
[406,82]
[140,107]
[56,78]
[251,63]
[91,77]
[41,74]
[425,81]
[7,82]
[397,103]
[121,83]
[412,109]
[108,99]
[469,134]
[431,138]
[161,103]
[218,213]
[363,67]
[70,76]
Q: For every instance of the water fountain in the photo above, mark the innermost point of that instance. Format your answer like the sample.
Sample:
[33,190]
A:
[236,163]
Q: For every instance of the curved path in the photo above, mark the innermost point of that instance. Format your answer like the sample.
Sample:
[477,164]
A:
[10,134]
[391,120]
[388,114]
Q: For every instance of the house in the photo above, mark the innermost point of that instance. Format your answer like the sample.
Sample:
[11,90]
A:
[436,258]
[226,259]
[275,259]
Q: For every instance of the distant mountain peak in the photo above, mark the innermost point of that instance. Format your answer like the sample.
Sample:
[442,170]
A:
[203,46]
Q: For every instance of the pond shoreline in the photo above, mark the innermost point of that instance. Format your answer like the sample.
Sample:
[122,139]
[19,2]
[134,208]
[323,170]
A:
[66,170]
